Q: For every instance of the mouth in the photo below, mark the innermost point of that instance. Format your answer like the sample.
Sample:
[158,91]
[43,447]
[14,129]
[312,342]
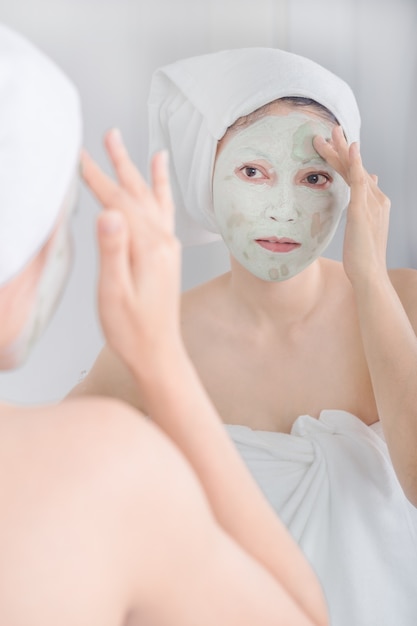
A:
[278,244]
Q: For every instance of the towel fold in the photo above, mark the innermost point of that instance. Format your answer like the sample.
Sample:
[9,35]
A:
[331,481]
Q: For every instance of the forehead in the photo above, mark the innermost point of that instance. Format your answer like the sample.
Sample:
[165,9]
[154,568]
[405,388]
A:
[277,131]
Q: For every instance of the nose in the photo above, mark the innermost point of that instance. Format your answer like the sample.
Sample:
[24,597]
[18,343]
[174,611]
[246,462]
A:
[282,205]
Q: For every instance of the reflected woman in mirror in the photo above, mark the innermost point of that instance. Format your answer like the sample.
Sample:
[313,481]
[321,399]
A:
[311,363]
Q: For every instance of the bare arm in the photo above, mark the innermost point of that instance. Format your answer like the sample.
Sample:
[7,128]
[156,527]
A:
[387,332]
[109,377]
[140,261]
[390,346]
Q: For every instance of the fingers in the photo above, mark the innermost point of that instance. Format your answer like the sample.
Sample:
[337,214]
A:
[357,173]
[339,142]
[334,148]
[132,188]
[345,159]
[101,185]
[364,187]
[147,213]
[323,146]
[327,150]
[109,193]
[113,242]
[130,191]
[127,173]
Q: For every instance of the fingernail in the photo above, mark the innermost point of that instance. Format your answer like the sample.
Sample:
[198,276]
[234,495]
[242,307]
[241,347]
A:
[165,157]
[117,136]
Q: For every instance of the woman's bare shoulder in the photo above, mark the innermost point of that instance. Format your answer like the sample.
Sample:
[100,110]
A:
[404,281]
[109,377]
[403,277]
[78,446]
[75,429]
[72,483]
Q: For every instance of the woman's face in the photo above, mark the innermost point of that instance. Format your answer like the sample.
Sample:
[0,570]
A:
[36,291]
[277,202]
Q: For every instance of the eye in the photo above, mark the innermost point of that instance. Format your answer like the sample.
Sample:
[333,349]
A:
[318,179]
[255,173]
[251,172]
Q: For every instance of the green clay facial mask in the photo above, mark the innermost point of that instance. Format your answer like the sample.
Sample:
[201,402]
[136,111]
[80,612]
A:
[49,291]
[277,202]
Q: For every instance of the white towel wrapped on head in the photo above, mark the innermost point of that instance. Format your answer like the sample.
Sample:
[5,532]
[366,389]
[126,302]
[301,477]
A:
[192,103]
[40,140]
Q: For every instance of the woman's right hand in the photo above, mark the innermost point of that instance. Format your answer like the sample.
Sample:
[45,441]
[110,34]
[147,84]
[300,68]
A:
[367,220]
[139,280]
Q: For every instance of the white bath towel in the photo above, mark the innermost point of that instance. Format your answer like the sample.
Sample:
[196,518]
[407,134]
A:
[40,139]
[192,103]
[332,483]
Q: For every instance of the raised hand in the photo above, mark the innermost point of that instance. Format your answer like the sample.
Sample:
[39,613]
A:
[364,252]
[139,280]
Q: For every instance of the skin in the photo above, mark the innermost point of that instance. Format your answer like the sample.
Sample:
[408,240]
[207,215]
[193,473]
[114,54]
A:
[32,297]
[125,511]
[16,299]
[351,324]
[269,182]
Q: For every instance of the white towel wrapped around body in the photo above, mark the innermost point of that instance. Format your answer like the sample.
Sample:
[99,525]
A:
[332,483]
[192,103]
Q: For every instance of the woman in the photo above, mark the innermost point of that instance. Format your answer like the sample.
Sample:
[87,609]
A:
[311,363]
[104,520]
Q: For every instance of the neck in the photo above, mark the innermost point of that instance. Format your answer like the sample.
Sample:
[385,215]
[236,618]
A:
[286,302]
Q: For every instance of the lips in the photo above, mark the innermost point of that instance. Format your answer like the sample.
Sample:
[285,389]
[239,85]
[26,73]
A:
[278,244]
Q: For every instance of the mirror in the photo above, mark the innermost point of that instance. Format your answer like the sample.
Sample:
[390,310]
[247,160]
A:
[110,49]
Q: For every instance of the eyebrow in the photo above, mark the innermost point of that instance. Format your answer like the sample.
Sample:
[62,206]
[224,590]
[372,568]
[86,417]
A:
[252,153]
[316,159]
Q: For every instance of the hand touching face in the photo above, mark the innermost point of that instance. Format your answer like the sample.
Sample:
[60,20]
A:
[367,221]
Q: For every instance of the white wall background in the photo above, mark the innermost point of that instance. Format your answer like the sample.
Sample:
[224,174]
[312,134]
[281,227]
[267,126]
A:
[110,48]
